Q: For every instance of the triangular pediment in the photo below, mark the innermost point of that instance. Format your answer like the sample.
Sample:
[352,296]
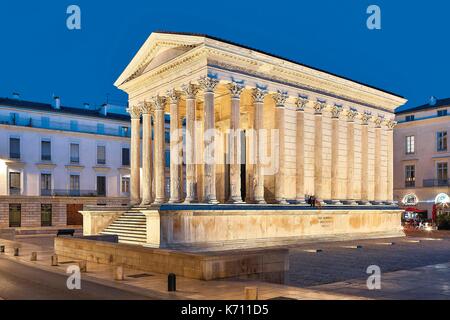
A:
[158,49]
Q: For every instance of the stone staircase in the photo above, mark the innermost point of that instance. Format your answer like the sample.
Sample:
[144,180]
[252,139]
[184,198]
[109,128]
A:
[130,227]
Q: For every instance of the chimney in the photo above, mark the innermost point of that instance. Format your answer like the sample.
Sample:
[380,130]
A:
[57,102]
[87,106]
[433,101]
[104,109]
[16,95]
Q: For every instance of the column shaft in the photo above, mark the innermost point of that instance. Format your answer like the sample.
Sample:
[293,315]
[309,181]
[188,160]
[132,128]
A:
[377,169]
[135,155]
[176,149]
[258,173]
[390,161]
[318,156]
[300,157]
[146,157]
[350,161]
[335,157]
[159,158]
[364,163]
[191,181]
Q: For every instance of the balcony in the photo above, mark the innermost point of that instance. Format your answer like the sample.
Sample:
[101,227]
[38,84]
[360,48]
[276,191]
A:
[24,121]
[71,193]
[429,183]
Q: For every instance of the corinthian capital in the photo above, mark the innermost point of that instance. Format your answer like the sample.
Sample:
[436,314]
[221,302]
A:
[365,116]
[336,111]
[235,90]
[319,106]
[159,103]
[351,114]
[377,120]
[146,107]
[390,124]
[258,95]
[301,103]
[190,90]
[134,111]
[173,95]
[208,84]
[280,98]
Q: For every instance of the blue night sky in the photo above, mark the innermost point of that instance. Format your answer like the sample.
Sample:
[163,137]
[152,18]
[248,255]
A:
[41,57]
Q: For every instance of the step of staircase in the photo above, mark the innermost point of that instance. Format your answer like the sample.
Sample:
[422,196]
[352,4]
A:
[130,227]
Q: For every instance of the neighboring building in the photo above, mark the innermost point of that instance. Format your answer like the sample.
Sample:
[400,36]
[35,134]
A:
[421,156]
[54,160]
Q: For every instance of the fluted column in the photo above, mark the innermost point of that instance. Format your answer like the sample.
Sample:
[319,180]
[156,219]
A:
[280,99]
[258,174]
[377,163]
[159,159]
[335,112]
[300,150]
[146,154]
[364,158]
[351,114]
[208,85]
[191,180]
[390,160]
[135,113]
[235,144]
[318,108]
[176,148]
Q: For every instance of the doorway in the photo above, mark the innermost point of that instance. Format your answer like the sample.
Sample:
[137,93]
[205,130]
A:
[46,215]
[15,215]
[74,217]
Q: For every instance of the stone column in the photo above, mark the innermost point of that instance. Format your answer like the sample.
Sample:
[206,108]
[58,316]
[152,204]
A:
[390,160]
[235,144]
[176,148]
[159,158]
[364,158]
[146,154]
[300,149]
[135,192]
[335,112]
[377,163]
[280,99]
[191,181]
[258,174]
[351,114]
[318,108]
[208,85]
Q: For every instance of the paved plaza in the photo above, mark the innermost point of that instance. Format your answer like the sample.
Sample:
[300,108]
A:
[413,267]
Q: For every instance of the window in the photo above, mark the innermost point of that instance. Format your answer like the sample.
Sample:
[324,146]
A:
[101,155]
[14,183]
[74,184]
[442,172]
[410,176]
[410,145]
[125,156]
[45,122]
[125,185]
[15,215]
[441,113]
[14,148]
[100,128]
[46,152]
[124,131]
[101,186]
[46,184]
[14,118]
[441,138]
[46,215]
[74,153]
[73,125]
[409,118]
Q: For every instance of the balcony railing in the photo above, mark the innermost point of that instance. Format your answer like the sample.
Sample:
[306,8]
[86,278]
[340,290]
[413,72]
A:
[71,193]
[427,183]
[64,126]
[410,184]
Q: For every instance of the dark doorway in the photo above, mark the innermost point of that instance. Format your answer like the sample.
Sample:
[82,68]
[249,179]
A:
[46,215]
[101,186]
[243,165]
[74,218]
[15,215]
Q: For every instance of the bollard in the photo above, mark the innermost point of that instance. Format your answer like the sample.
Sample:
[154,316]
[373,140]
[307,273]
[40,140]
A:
[54,260]
[83,265]
[2,249]
[118,273]
[33,256]
[172,282]
[16,252]
[251,293]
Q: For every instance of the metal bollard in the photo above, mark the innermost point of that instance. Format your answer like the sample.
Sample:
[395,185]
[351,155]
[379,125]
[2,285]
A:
[83,265]
[118,273]
[16,252]
[2,249]
[251,293]
[172,282]
[54,260]
[33,256]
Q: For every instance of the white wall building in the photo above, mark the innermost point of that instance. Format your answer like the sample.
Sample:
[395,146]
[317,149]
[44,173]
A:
[55,159]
